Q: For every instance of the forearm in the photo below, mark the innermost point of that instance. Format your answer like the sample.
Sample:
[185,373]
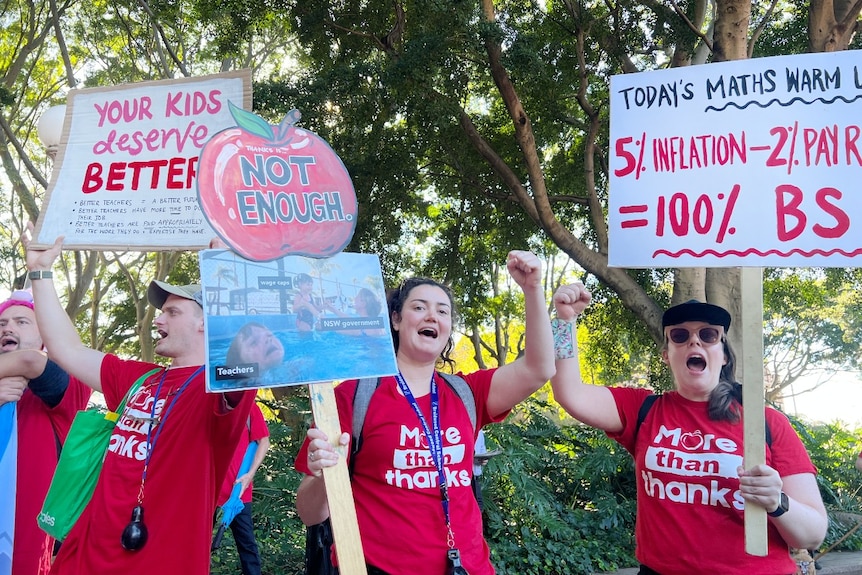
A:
[803,526]
[312,505]
[27,363]
[567,385]
[590,404]
[539,346]
[259,454]
[61,339]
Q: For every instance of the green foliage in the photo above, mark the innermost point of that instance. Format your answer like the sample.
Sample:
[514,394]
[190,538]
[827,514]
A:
[812,323]
[560,500]
[833,450]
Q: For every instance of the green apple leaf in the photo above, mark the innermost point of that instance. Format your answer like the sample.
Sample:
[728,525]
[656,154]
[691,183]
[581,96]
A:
[250,122]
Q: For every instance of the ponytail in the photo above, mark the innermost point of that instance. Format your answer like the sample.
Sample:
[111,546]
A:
[725,400]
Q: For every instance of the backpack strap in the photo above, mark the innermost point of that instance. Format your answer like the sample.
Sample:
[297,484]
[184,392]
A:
[366,387]
[644,410]
[465,392]
[115,415]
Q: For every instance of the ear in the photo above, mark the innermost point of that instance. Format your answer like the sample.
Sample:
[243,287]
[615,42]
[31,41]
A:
[395,320]
[664,356]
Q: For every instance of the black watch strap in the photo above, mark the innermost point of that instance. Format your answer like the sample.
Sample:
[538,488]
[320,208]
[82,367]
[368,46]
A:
[783,506]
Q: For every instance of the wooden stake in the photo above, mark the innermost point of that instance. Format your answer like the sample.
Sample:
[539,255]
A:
[752,400]
[345,528]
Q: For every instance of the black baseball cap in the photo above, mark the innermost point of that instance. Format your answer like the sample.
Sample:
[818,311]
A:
[694,310]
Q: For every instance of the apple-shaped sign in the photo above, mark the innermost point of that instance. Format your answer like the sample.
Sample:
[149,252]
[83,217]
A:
[270,191]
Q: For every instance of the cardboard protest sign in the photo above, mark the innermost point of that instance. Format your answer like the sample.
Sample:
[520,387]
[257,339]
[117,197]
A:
[126,169]
[743,163]
[270,191]
[274,194]
[294,320]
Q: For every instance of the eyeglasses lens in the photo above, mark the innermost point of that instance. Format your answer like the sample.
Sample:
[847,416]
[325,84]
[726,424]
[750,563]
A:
[680,335]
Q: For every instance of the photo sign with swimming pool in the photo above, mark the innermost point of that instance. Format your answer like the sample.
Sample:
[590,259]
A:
[745,163]
[294,320]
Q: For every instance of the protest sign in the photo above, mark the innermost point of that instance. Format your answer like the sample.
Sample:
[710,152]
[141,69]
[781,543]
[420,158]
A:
[270,191]
[125,172]
[294,320]
[744,163]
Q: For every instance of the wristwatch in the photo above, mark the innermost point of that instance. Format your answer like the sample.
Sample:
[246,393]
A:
[783,506]
[40,275]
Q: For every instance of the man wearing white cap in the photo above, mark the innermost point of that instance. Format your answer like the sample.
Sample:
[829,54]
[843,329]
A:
[153,505]
[37,394]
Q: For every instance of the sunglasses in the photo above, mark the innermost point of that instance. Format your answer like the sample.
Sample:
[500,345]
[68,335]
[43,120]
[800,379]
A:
[707,335]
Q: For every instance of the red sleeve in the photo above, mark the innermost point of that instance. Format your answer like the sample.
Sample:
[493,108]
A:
[629,401]
[787,454]
[344,393]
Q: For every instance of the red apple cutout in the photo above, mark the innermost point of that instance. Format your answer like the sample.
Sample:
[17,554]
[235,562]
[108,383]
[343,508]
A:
[271,191]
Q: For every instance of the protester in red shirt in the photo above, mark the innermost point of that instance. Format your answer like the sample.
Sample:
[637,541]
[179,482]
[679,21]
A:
[688,450]
[412,476]
[46,404]
[170,449]
[242,525]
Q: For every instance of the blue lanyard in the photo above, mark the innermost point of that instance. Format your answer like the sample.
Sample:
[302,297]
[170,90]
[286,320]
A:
[433,436]
[160,423]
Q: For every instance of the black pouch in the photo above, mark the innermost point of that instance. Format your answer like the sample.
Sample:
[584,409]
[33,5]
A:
[453,562]
[318,549]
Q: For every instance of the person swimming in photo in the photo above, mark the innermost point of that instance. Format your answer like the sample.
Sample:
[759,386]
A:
[255,343]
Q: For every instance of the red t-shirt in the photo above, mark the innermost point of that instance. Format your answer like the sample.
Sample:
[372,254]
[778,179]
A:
[187,466]
[690,511]
[395,482]
[39,429]
[255,430]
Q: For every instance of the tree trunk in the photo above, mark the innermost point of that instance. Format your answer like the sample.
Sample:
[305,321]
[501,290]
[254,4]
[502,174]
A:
[731,30]
[832,24]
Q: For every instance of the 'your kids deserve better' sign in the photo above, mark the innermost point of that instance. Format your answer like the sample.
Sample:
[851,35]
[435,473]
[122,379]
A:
[126,171]
[745,163]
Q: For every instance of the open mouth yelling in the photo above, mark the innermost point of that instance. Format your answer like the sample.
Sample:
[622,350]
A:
[8,343]
[428,332]
[696,363]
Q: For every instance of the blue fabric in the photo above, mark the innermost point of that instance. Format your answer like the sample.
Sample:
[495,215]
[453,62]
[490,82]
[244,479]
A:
[233,506]
[8,478]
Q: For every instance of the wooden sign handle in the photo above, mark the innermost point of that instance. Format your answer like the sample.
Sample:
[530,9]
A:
[752,400]
[345,528]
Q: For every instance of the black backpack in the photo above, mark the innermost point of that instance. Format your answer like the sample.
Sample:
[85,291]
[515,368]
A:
[318,538]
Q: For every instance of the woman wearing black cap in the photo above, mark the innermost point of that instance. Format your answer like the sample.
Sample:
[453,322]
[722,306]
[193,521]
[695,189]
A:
[688,451]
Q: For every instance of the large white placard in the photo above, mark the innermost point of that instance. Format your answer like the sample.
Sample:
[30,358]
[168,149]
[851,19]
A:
[125,173]
[746,163]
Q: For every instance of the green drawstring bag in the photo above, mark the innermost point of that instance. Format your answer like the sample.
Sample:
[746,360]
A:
[80,465]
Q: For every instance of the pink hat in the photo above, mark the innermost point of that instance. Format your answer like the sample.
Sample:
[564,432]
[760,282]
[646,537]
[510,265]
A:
[18,297]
